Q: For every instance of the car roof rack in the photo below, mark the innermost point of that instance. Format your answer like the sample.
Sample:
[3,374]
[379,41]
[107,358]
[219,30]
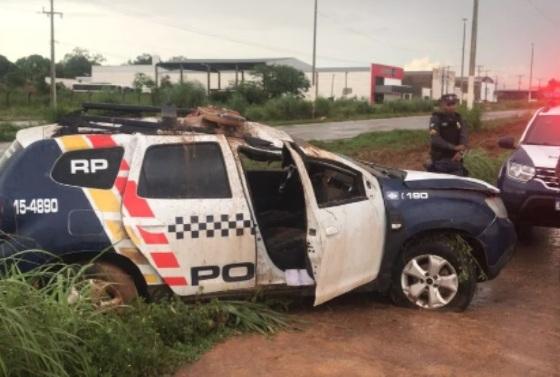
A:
[81,122]
[133,109]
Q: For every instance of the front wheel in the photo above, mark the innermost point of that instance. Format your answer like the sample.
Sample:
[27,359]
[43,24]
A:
[432,275]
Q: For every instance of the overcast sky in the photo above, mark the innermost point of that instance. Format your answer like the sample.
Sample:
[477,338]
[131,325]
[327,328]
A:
[412,33]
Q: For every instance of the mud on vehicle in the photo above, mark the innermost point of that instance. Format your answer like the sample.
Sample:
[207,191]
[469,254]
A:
[212,204]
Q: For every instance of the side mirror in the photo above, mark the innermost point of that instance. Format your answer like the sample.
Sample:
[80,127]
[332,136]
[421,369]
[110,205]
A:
[507,142]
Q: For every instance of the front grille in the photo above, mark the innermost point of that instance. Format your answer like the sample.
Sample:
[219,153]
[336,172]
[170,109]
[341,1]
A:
[548,177]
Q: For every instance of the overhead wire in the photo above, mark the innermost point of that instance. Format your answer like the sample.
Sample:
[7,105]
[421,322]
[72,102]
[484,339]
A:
[149,18]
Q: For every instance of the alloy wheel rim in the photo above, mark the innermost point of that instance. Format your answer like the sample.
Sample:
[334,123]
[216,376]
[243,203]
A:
[429,281]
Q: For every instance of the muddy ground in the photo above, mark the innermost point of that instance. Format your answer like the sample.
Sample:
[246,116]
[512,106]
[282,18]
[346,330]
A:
[512,327]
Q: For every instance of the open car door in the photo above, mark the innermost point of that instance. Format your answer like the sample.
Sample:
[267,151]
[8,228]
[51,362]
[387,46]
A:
[346,222]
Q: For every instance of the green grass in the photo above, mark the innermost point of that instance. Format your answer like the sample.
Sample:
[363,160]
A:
[483,166]
[397,139]
[8,132]
[43,333]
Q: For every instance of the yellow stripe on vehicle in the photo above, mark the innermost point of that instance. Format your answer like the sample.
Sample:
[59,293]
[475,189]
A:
[105,200]
[133,237]
[152,279]
[134,255]
[74,142]
[115,229]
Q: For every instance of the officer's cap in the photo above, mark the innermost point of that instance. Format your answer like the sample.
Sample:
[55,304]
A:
[449,99]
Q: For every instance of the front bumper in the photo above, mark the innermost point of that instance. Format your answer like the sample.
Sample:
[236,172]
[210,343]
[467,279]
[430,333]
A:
[530,203]
[498,241]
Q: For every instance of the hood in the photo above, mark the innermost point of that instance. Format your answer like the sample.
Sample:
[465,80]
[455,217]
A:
[419,180]
[541,156]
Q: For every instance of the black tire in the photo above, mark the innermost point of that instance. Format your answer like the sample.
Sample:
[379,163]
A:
[464,270]
[111,286]
[524,232]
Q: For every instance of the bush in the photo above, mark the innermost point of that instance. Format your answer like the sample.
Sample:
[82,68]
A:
[255,113]
[238,103]
[8,132]
[188,94]
[483,166]
[473,117]
[405,106]
[323,107]
[347,107]
[43,334]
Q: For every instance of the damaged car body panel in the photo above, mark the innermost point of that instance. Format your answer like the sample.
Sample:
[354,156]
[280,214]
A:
[211,203]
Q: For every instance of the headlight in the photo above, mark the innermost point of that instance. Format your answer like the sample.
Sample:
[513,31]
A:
[520,172]
[497,206]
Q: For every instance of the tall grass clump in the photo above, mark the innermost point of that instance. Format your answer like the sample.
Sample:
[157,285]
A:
[483,166]
[50,326]
[473,117]
[8,132]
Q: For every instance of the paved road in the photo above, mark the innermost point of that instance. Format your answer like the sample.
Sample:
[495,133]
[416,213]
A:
[511,329]
[349,129]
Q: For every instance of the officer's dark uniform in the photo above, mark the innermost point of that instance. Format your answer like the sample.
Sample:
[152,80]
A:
[447,130]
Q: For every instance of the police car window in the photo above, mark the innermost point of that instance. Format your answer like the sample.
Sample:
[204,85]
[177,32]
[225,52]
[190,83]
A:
[545,130]
[92,168]
[184,171]
[334,185]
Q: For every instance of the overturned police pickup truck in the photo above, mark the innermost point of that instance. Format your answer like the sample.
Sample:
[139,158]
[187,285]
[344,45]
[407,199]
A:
[210,203]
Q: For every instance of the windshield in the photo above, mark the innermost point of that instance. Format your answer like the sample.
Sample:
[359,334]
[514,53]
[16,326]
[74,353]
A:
[545,130]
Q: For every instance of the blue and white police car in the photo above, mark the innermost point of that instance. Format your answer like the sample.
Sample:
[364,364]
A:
[212,204]
[530,178]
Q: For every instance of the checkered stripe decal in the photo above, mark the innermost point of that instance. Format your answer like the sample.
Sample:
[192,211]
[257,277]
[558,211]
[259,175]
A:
[211,226]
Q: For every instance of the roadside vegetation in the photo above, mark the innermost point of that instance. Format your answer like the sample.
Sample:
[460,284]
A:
[50,326]
[272,94]
[409,149]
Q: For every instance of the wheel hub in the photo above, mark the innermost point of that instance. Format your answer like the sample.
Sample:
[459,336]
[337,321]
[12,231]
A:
[429,281]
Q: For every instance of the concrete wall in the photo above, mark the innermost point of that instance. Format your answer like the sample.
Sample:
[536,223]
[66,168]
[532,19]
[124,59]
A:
[332,84]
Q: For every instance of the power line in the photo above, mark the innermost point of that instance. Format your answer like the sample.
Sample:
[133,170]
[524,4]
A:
[543,14]
[149,18]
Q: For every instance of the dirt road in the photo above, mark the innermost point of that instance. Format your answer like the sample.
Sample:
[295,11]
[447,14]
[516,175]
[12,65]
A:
[511,329]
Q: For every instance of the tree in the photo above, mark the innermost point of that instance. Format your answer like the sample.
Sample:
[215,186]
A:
[5,66]
[277,80]
[78,63]
[35,68]
[142,81]
[11,81]
[142,59]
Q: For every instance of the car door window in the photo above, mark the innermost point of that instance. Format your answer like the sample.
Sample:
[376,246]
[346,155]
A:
[184,171]
[334,185]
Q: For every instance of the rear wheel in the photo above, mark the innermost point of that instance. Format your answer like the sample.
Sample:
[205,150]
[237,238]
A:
[110,286]
[432,275]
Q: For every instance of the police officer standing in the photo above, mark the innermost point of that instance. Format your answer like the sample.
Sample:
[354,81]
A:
[449,139]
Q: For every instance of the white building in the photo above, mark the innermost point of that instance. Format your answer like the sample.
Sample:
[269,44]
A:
[220,74]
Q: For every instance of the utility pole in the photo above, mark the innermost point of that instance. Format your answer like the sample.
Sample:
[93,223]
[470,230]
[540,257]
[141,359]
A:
[540,79]
[496,88]
[472,62]
[314,78]
[479,69]
[519,78]
[485,84]
[444,79]
[531,71]
[51,14]
[463,58]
